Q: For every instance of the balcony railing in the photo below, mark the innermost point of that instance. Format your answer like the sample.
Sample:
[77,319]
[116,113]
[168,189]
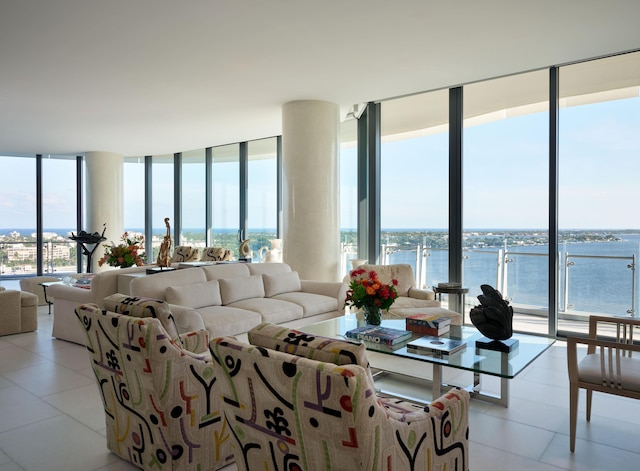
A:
[603,284]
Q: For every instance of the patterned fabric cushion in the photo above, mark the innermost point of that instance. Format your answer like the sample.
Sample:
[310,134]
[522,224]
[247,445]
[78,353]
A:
[185,253]
[302,344]
[137,306]
[160,401]
[217,254]
[292,413]
[281,283]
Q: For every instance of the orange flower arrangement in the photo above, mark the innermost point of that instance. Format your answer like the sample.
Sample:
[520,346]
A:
[126,254]
[367,291]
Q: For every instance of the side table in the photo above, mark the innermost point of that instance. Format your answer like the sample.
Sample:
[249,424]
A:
[45,285]
[452,289]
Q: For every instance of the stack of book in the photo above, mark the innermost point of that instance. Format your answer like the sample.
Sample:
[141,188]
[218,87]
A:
[380,335]
[426,324]
[436,346]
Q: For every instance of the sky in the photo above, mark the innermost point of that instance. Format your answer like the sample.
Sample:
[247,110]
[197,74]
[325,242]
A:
[504,182]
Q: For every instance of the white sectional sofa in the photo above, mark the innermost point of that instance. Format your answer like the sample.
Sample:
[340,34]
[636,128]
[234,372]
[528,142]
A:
[231,299]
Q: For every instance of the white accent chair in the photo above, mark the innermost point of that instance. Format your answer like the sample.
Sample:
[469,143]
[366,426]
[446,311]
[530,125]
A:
[609,366]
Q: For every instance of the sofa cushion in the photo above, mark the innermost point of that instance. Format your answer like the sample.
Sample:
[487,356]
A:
[311,303]
[271,310]
[225,320]
[216,254]
[303,344]
[136,306]
[196,295]
[238,289]
[281,283]
[270,268]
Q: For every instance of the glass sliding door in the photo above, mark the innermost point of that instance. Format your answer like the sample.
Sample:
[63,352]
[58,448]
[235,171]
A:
[18,216]
[599,172]
[415,184]
[194,195]
[226,196]
[505,193]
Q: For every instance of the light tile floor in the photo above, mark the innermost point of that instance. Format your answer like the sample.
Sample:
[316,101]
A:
[51,416]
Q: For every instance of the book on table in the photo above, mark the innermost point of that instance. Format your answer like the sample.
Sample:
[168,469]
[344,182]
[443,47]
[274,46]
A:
[379,335]
[428,324]
[437,346]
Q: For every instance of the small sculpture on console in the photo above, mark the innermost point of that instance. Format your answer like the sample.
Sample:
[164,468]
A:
[163,255]
[245,249]
[494,319]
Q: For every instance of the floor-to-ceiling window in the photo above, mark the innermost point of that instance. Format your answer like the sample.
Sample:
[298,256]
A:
[599,171]
[162,188]
[59,215]
[348,193]
[133,196]
[225,196]
[505,190]
[193,209]
[414,184]
[262,195]
[18,216]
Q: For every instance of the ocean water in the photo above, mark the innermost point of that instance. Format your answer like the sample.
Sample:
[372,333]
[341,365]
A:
[594,277]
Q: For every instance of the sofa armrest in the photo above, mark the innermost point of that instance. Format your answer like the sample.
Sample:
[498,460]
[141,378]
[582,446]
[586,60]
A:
[334,289]
[425,294]
[70,293]
[186,319]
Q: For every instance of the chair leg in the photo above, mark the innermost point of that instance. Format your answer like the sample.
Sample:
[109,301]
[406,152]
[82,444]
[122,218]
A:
[589,397]
[573,415]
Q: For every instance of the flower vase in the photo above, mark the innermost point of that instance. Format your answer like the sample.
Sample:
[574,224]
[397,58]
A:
[372,315]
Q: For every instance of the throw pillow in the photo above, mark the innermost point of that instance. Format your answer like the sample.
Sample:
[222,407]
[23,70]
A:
[196,295]
[281,283]
[238,289]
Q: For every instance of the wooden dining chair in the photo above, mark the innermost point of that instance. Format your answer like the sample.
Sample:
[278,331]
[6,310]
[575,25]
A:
[612,363]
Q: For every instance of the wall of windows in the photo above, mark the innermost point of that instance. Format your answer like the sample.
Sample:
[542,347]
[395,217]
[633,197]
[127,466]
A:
[506,215]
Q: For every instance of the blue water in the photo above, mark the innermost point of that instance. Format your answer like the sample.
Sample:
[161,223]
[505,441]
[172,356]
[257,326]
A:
[602,284]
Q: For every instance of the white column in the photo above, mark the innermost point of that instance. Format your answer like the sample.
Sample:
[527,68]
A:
[104,198]
[310,146]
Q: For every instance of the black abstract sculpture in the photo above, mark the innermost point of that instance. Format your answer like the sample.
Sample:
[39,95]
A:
[494,317]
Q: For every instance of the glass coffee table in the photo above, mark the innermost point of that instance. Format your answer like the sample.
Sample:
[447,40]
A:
[476,360]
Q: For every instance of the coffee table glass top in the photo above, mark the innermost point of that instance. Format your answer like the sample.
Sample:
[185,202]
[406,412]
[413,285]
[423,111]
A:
[505,365]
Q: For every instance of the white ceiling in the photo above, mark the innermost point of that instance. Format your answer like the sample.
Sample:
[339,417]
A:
[141,77]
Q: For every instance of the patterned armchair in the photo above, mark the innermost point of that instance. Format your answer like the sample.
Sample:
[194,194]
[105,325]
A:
[217,254]
[185,253]
[156,393]
[290,412]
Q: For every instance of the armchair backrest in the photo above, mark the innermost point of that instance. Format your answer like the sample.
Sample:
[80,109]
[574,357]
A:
[401,272]
[289,412]
[156,395]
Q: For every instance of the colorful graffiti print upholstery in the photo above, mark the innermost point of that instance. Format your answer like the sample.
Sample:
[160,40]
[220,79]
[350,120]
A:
[291,413]
[157,396]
